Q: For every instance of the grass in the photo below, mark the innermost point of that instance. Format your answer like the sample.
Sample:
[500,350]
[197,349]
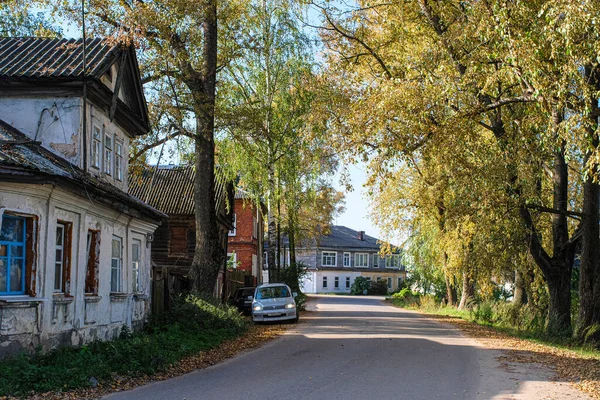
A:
[494,322]
[194,326]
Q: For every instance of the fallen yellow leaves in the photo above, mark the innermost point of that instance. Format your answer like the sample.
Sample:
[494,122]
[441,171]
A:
[254,337]
[582,370]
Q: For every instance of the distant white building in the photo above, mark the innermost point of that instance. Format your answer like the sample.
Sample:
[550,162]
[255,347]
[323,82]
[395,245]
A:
[74,245]
[336,259]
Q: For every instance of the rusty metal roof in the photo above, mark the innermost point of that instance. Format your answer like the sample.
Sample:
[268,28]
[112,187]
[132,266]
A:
[34,58]
[170,189]
[22,159]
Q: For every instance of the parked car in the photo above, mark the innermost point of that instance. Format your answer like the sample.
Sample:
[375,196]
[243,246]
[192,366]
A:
[242,299]
[274,302]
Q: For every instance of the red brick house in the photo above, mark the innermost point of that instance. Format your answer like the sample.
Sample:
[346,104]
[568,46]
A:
[245,241]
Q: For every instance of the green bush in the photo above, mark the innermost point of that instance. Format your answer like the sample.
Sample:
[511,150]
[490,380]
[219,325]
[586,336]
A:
[378,288]
[301,301]
[484,312]
[360,286]
[293,274]
[402,294]
[406,298]
[193,326]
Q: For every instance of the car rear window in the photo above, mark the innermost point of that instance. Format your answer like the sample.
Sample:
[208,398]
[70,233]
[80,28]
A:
[273,292]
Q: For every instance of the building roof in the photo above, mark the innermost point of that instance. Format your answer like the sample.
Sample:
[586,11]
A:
[344,237]
[339,237]
[171,189]
[33,64]
[22,159]
[34,58]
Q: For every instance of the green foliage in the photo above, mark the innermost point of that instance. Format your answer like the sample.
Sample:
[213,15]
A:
[484,312]
[406,298]
[17,19]
[301,300]
[378,288]
[360,286]
[193,326]
[293,274]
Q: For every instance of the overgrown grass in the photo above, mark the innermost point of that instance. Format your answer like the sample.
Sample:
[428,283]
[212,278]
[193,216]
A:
[522,322]
[194,325]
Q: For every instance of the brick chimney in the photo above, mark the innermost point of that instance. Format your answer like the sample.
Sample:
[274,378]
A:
[361,235]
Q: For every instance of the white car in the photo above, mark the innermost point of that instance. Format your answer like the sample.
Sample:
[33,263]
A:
[274,302]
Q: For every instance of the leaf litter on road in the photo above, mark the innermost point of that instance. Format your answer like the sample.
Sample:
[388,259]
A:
[254,337]
[576,367]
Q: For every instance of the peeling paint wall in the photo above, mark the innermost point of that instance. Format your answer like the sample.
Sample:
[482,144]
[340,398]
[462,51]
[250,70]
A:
[51,319]
[54,121]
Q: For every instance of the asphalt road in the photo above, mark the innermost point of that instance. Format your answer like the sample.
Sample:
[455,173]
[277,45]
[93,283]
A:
[360,348]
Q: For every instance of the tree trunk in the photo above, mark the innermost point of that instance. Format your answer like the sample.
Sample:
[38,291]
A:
[589,279]
[271,224]
[279,236]
[468,291]
[451,296]
[559,312]
[292,237]
[519,296]
[556,269]
[208,256]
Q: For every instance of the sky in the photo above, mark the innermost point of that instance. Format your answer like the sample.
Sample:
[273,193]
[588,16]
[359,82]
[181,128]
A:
[357,203]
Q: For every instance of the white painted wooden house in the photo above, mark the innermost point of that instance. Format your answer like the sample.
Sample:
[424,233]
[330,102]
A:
[74,245]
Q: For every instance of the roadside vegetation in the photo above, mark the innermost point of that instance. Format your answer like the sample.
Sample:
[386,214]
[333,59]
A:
[519,331]
[194,325]
[523,321]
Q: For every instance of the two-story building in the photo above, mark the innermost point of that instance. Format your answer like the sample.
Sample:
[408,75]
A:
[336,259]
[245,240]
[74,245]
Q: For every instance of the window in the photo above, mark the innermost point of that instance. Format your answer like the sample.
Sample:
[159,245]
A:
[324,281]
[329,259]
[389,283]
[96,146]
[377,278]
[108,150]
[392,261]
[361,260]
[233,231]
[12,255]
[254,228]
[399,283]
[347,282]
[62,257]
[136,257]
[336,282]
[346,259]
[118,161]
[116,263]
[273,292]
[93,262]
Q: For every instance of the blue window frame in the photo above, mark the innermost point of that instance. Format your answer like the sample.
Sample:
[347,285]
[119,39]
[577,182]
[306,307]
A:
[12,255]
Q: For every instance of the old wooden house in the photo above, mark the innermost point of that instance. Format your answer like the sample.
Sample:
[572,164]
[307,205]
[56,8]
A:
[74,245]
[170,189]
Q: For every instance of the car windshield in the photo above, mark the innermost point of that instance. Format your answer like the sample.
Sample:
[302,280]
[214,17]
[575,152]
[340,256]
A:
[273,292]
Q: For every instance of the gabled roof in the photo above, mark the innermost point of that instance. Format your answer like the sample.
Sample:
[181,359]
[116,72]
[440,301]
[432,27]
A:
[28,58]
[24,160]
[30,63]
[344,237]
[171,189]
[339,237]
